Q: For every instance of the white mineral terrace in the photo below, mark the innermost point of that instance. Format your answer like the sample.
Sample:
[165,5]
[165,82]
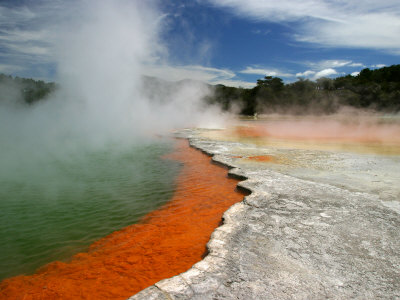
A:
[318,224]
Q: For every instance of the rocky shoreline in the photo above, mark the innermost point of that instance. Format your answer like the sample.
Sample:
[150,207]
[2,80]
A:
[326,228]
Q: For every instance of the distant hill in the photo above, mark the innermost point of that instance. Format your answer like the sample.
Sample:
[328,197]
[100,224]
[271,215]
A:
[23,90]
[372,89]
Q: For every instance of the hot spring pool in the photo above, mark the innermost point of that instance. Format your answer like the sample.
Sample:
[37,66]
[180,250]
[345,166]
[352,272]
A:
[52,207]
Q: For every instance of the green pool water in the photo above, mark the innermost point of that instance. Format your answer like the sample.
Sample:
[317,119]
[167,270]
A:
[52,207]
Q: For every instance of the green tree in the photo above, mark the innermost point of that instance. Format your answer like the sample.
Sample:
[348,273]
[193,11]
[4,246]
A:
[275,83]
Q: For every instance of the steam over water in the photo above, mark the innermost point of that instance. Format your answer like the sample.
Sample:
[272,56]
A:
[54,208]
[83,163]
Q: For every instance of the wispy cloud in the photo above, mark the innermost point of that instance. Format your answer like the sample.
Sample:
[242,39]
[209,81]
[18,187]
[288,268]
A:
[28,43]
[265,72]
[175,73]
[333,63]
[357,65]
[27,34]
[307,74]
[325,73]
[328,68]
[378,66]
[7,69]
[315,75]
[366,24]
[261,31]
[196,72]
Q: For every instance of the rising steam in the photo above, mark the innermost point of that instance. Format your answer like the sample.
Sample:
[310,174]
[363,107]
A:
[102,48]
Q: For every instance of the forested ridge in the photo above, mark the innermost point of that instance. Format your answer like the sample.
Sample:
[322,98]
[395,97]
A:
[24,90]
[373,89]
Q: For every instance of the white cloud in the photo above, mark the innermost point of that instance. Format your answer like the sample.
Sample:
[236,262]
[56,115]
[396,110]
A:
[357,65]
[326,68]
[378,66]
[333,63]
[360,31]
[355,73]
[27,34]
[200,73]
[34,50]
[18,35]
[315,75]
[307,73]
[176,73]
[29,38]
[351,23]
[7,69]
[261,31]
[265,72]
[325,73]
[277,11]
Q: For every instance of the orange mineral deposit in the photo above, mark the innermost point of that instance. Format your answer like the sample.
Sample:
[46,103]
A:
[261,158]
[165,243]
[250,131]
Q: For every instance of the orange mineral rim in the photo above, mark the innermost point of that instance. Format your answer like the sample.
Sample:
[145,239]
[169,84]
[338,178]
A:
[165,243]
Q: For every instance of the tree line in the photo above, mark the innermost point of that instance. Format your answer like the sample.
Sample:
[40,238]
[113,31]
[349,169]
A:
[24,90]
[372,89]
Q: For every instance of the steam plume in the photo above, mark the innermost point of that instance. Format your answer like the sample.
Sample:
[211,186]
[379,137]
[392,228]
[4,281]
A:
[101,49]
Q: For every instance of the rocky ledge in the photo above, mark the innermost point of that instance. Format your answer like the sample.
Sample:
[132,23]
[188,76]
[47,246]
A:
[325,225]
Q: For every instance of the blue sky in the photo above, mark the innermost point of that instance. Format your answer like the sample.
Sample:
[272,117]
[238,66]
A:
[233,42]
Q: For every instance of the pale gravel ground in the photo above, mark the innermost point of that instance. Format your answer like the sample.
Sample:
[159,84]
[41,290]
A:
[317,225]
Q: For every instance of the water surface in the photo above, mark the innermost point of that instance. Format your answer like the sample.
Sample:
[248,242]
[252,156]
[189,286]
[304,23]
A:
[167,242]
[53,206]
